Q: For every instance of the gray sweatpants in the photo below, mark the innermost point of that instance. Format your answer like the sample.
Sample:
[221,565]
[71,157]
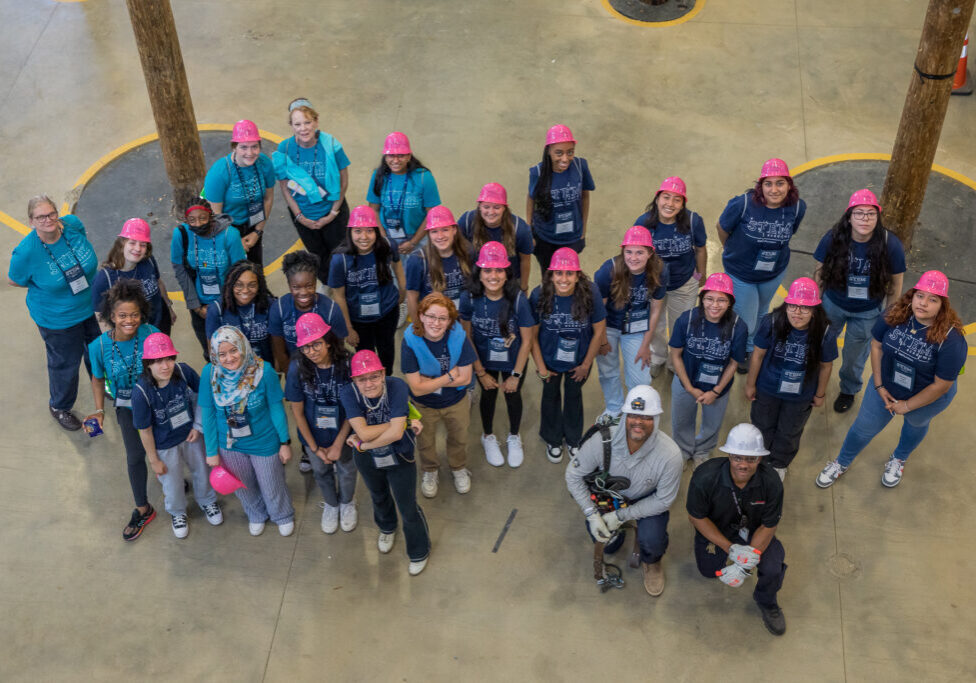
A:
[193,456]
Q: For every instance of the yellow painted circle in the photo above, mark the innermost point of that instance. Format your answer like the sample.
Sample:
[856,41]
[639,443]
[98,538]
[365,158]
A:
[655,24]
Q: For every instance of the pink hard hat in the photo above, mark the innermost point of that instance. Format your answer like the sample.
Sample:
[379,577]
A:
[493,193]
[933,282]
[310,327]
[564,258]
[440,217]
[493,255]
[364,362]
[803,292]
[674,184]
[638,236]
[245,131]
[774,167]
[864,197]
[223,482]
[363,217]
[158,345]
[559,133]
[136,229]
[719,282]
[396,143]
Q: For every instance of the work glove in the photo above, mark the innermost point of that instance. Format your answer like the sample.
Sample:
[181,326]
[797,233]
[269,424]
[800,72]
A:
[612,521]
[744,556]
[733,575]
[597,527]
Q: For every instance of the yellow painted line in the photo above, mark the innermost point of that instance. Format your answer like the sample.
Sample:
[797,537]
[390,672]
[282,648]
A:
[276,264]
[655,24]
[969,329]
[871,156]
[12,222]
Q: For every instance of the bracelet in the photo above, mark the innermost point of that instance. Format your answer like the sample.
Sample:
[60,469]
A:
[449,376]
[541,376]
[820,396]
[100,410]
[713,391]
[878,386]
[481,374]
[299,215]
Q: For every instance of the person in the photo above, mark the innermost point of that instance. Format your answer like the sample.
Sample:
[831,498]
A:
[735,505]
[707,344]
[443,265]
[494,303]
[313,175]
[436,361]
[796,346]
[245,303]
[131,257]
[368,295]
[558,203]
[679,240]
[312,387]
[241,185]
[493,221]
[116,360]
[632,286]
[164,411]
[649,464]
[860,267]
[245,429]
[755,230]
[917,352]
[571,320]
[201,251]
[56,263]
[377,407]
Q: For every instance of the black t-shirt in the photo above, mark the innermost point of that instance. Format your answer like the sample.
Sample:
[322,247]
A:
[712,495]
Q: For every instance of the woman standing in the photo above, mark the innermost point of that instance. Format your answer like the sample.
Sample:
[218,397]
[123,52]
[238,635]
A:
[443,265]
[569,311]
[313,174]
[245,303]
[917,352]
[245,429]
[632,285]
[436,360]
[755,229]
[241,184]
[679,239]
[492,221]
[707,344]
[56,263]
[377,408]
[496,304]
[559,196]
[860,266]
[795,351]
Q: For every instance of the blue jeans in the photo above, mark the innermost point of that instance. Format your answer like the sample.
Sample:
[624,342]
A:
[66,349]
[608,366]
[684,411]
[397,483]
[873,417]
[857,342]
[752,303]
[652,537]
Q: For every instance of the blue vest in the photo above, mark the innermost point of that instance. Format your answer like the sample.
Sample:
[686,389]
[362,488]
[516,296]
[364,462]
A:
[429,365]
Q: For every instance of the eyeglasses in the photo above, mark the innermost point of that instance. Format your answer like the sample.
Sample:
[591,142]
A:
[46,218]
[798,309]
[437,318]
[315,346]
[127,316]
[245,286]
[864,215]
[747,459]
[714,300]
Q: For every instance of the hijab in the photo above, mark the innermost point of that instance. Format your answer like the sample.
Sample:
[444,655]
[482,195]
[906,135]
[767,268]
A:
[232,387]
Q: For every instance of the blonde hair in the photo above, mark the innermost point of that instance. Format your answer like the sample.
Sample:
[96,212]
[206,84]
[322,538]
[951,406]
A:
[34,202]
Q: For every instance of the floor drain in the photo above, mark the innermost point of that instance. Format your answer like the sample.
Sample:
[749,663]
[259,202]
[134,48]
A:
[843,566]
[651,13]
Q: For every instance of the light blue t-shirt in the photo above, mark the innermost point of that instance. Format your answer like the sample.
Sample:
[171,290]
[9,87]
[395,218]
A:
[312,160]
[265,414]
[239,188]
[404,200]
[119,362]
[209,256]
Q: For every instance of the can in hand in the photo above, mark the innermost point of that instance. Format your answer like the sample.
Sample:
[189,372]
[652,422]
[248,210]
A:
[91,426]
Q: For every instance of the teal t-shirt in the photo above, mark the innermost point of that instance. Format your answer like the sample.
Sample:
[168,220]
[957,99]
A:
[265,414]
[120,363]
[238,187]
[404,200]
[313,160]
[210,257]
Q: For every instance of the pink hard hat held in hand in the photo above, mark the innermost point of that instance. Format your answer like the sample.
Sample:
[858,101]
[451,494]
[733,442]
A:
[223,482]
[363,217]
[719,282]
[493,255]
[364,362]
[245,131]
[933,282]
[565,258]
[440,217]
[559,133]
[158,345]
[136,229]
[675,185]
[638,236]
[310,327]
[774,167]
[803,292]
[493,193]
[396,143]
[864,197]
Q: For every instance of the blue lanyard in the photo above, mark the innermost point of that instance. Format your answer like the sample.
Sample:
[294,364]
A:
[397,209]
[240,179]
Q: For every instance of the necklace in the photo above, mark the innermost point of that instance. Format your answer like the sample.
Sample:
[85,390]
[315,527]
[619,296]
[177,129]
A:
[912,329]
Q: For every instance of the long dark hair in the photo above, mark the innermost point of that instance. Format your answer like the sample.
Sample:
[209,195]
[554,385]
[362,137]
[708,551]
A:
[461,248]
[123,291]
[620,277]
[177,377]
[582,296]
[383,171]
[262,302]
[479,231]
[792,197]
[338,354]
[837,261]
[815,334]
[510,292]
[726,324]
[382,251]
[682,220]
[542,197]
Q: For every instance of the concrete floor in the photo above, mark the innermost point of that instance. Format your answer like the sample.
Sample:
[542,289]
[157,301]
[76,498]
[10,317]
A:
[879,586]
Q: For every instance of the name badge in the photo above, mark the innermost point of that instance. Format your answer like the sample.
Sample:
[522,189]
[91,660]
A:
[383,457]
[179,419]
[326,416]
[498,353]
[238,425]
[766,260]
[255,213]
[857,287]
[394,229]
[76,279]
[123,397]
[903,375]
[564,223]
[638,319]
[296,188]
[369,304]
[566,350]
[791,382]
[709,373]
[209,284]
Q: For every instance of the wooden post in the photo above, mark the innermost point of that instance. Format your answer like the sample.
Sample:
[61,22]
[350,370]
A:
[169,94]
[945,27]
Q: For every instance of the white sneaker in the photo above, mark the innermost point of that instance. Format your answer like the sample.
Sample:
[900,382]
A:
[417,567]
[256,528]
[892,472]
[515,453]
[462,479]
[213,513]
[554,454]
[180,528]
[428,483]
[781,471]
[330,518]
[286,529]
[697,460]
[492,451]
[348,516]
[385,542]
[402,320]
[573,451]
[830,474]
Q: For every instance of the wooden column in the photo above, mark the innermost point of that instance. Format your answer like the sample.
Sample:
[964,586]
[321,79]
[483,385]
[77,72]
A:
[169,94]
[945,27]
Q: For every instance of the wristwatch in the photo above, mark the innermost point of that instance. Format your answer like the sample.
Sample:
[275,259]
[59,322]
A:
[516,375]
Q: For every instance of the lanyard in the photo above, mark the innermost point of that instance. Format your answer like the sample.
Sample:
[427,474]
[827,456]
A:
[397,208]
[50,255]
[130,367]
[244,188]
[330,388]
[315,159]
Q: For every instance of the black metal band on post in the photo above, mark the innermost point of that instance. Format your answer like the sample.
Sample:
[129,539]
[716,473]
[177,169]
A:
[932,77]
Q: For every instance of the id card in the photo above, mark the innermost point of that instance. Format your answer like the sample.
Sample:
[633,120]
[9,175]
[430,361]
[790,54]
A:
[238,425]
[766,260]
[326,416]
[76,279]
[638,319]
[857,287]
[791,382]
[709,373]
[383,457]
[209,284]
[255,213]
[179,419]
[903,375]
[369,304]
[564,223]
[498,353]
[566,350]
[123,398]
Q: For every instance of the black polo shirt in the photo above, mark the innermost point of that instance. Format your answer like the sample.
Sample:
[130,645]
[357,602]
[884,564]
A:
[712,495]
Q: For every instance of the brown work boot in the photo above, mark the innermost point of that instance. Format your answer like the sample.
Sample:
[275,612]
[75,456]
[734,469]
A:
[653,578]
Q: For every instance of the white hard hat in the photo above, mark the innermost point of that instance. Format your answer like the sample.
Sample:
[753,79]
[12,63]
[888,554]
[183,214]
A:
[744,439]
[643,400]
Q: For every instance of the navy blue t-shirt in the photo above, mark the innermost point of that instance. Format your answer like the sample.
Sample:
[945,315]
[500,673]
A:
[365,299]
[490,344]
[444,397]
[854,297]
[909,362]
[390,406]
[757,249]
[524,244]
[636,315]
[418,277]
[564,340]
[146,272]
[565,226]
[252,322]
[676,248]
[704,352]
[783,370]
[322,408]
[170,410]
[284,315]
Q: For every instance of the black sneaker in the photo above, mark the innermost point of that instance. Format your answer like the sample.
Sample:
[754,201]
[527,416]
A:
[304,464]
[137,523]
[743,368]
[843,403]
[66,419]
[773,619]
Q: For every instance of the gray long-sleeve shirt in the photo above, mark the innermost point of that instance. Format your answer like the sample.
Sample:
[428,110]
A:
[655,466]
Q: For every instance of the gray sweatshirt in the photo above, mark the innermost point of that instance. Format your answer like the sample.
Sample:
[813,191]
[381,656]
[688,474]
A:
[216,226]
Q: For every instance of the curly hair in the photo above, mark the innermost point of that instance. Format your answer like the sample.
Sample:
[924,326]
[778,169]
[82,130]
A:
[945,321]
[582,296]
[837,261]
[434,299]
[620,277]
[262,302]
[123,291]
[300,262]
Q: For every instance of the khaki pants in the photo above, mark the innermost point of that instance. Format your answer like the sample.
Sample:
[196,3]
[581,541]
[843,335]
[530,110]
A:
[676,302]
[456,419]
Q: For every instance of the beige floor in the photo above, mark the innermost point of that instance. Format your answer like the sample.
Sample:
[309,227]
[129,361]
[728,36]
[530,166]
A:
[879,585]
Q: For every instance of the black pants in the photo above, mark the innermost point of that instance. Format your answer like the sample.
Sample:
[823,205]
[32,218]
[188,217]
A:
[379,336]
[135,456]
[770,571]
[200,330]
[544,250]
[395,488]
[256,253]
[561,420]
[513,402]
[165,319]
[781,423]
[323,242]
